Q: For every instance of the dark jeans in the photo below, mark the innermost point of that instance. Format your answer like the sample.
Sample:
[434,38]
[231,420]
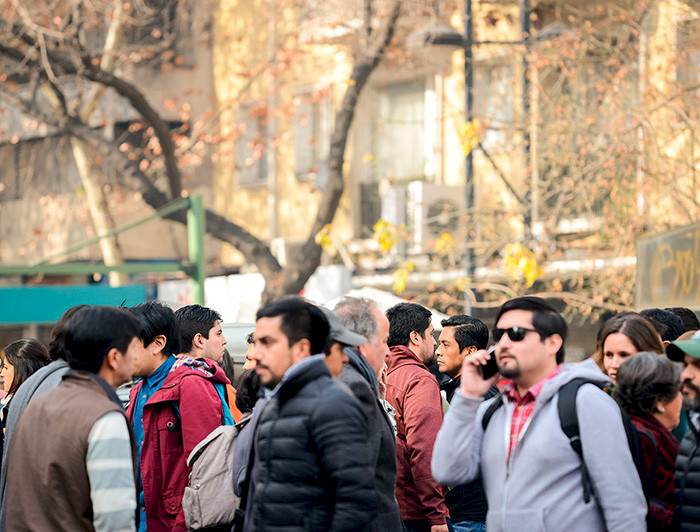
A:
[466,526]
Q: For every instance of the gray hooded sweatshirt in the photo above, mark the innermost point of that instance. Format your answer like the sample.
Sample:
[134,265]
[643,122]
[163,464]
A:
[539,487]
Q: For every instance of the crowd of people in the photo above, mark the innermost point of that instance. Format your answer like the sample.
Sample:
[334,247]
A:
[352,419]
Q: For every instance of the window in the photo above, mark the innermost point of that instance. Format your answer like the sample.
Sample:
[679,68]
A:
[399,131]
[312,130]
[493,104]
[251,145]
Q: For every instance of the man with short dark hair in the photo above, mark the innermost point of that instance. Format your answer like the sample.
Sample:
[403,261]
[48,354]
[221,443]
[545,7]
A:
[415,395]
[667,324]
[537,480]
[72,465]
[360,316]
[249,360]
[688,318]
[200,332]
[201,336]
[174,406]
[310,466]
[462,335]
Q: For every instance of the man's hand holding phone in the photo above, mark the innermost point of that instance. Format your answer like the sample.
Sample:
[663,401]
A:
[479,372]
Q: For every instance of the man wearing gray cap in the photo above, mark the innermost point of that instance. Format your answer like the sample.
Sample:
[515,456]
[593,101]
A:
[338,339]
[361,379]
[687,477]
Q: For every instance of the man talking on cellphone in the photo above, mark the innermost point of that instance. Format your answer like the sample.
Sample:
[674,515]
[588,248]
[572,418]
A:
[533,478]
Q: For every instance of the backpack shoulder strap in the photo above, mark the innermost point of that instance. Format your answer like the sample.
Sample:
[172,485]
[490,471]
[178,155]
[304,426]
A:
[491,410]
[568,419]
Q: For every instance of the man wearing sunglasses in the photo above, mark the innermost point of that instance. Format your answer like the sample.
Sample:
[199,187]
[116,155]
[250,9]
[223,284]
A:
[532,476]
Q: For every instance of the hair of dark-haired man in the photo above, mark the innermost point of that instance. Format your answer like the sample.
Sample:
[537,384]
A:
[92,331]
[158,319]
[404,318]
[194,319]
[688,318]
[247,390]
[228,366]
[545,319]
[468,331]
[667,324]
[300,319]
[56,347]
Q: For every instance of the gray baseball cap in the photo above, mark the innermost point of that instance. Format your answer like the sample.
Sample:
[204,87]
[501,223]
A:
[338,331]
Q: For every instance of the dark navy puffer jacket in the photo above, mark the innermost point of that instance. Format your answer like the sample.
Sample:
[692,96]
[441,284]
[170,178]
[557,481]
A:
[311,468]
[687,482]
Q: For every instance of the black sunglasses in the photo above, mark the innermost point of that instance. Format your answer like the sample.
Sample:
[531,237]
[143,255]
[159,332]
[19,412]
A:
[516,334]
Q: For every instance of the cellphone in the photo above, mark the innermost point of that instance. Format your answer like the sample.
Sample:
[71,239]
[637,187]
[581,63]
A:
[491,367]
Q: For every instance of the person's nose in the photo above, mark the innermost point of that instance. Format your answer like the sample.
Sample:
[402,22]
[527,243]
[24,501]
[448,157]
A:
[223,340]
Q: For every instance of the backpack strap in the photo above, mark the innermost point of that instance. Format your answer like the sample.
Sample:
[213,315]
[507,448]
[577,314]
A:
[568,419]
[491,410]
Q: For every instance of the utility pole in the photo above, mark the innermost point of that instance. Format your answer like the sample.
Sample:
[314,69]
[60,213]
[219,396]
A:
[469,159]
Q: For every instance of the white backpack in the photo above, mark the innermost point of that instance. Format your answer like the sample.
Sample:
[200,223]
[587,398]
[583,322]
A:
[209,499]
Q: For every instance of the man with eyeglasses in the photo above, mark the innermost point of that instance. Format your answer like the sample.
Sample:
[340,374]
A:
[531,473]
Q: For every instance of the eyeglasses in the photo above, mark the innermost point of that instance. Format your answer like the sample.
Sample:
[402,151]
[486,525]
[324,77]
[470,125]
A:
[516,334]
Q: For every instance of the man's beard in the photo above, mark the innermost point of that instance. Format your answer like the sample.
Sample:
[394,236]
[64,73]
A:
[692,404]
[512,372]
[429,360]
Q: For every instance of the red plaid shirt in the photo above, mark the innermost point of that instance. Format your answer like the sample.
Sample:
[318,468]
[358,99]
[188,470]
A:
[523,406]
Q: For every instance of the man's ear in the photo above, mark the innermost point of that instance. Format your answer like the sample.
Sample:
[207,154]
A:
[111,360]
[301,349]
[198,341]
[415,338]
[553,343]
[363,349]
[158,344]
[467,351]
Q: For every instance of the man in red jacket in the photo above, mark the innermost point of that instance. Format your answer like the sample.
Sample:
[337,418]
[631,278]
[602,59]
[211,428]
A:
[414,393]
[174,406]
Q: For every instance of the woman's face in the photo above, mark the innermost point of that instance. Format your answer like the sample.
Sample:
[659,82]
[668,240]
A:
[671,415]
[616,349]
[7,373]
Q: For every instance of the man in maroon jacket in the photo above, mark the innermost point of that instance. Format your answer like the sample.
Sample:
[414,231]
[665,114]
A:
[415,394]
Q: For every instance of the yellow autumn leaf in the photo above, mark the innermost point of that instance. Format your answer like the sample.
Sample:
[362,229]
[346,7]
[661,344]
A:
[462,283]
[445,244]
[385,235]
[401,276]
[323,238]
[399,283]
[520,263]
[469,136]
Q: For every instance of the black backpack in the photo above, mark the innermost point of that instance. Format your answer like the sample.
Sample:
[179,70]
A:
[568,419]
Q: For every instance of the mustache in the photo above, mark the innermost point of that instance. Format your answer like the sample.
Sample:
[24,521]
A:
[690,385]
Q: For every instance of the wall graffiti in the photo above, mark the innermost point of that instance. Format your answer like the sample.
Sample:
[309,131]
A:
[668,269]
